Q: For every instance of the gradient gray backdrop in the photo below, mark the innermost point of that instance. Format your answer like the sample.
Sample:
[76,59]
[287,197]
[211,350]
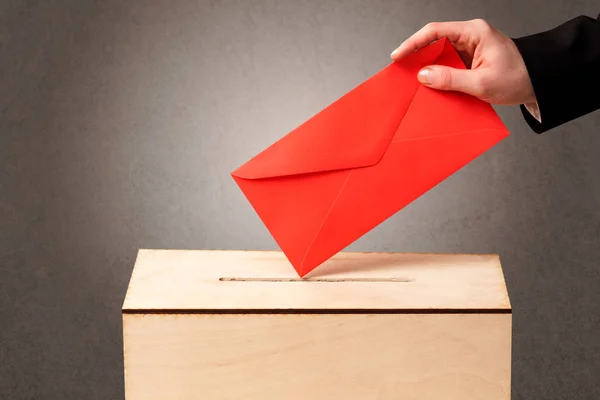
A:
[121,120]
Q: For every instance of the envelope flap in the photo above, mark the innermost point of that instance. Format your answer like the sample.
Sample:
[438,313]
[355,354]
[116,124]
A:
[352,132]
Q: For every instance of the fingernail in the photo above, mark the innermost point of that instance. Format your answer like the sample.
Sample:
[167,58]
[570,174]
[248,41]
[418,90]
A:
[425,75]
[394,53]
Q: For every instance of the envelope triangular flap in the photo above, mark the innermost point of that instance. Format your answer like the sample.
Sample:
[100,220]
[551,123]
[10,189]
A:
[436,113]
[352,132]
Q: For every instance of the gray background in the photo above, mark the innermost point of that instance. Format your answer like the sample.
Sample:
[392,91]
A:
[121,120]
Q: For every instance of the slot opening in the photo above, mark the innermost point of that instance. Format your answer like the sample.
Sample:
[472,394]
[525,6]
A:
[321,280]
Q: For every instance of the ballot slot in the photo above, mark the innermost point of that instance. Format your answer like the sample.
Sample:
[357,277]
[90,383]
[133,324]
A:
[319,280]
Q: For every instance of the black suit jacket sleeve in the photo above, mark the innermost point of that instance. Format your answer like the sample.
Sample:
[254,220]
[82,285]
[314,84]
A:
[564,67]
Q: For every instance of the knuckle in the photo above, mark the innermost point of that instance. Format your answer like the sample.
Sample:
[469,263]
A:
[431,27]
[481,24]
[445,79]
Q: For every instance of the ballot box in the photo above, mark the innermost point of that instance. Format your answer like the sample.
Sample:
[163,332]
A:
[243,325]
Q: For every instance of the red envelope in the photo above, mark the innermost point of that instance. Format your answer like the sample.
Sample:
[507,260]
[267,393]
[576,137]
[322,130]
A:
[365,157]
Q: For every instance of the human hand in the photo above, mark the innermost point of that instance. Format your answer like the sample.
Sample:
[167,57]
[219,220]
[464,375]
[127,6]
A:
[496,72]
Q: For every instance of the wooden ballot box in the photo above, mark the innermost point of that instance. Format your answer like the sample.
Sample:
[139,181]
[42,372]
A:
[387,326]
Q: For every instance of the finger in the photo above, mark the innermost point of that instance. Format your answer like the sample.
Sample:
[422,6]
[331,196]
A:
[429,33]
[447,78]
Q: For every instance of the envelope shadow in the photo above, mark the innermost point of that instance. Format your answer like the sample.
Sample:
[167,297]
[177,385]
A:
[361,265]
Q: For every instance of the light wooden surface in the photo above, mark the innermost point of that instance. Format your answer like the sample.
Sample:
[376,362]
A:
[317,356]
[264,280]
[383,326]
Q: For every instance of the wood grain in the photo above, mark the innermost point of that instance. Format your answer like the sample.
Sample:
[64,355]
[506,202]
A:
[318,357]
[253,280]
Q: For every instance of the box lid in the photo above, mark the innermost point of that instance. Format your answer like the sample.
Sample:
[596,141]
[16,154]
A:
[169,281]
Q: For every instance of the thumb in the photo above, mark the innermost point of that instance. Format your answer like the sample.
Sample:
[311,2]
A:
[447,78]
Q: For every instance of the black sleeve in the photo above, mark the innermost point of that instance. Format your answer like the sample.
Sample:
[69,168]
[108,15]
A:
[564,67]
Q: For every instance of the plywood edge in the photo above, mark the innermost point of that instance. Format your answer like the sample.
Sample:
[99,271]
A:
[132,278]
[502,280]
[148,251]
[297,311]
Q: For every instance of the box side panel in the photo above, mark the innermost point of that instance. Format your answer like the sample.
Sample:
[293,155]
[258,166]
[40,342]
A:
[318,356]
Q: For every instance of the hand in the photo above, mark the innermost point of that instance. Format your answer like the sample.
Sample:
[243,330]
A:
[496,72]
